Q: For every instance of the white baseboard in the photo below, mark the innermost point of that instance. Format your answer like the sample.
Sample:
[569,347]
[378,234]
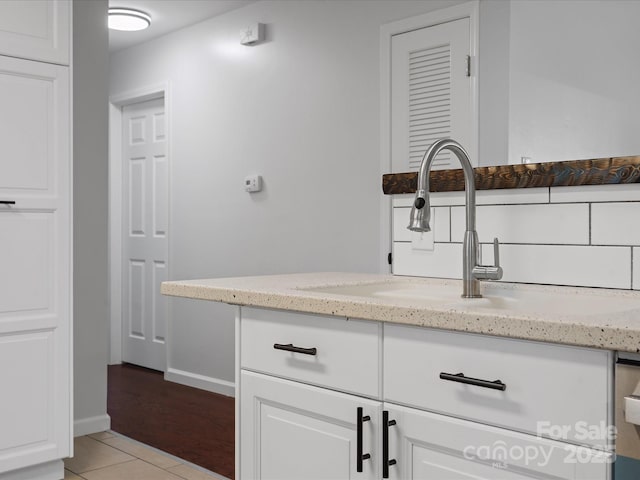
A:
[215,385]
[43,471]
[85,426]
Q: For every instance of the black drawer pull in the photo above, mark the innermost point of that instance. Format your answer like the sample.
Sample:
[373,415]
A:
[7,202]
[460,378]
[289,347]
[359,455]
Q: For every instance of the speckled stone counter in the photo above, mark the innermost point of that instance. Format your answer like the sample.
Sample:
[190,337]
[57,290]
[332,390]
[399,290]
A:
[598,318]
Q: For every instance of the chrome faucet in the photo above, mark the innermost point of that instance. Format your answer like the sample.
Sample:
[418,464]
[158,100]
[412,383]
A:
[472,270]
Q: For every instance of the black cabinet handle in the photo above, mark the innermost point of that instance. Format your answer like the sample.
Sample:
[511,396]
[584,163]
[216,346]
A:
[289,347]
[460,378]
[386,463]
[360,456]
[7,202]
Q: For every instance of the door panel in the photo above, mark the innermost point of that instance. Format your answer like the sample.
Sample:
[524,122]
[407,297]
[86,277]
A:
[145,242]
[28,267]
[304,445]
[298,432]
[428,446]
[30,121]
[36,29]
[27,404]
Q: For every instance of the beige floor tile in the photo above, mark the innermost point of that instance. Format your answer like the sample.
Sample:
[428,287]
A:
[70,475]
[90,454]
[136,470]
[141,452]
[190,473]
[102,435]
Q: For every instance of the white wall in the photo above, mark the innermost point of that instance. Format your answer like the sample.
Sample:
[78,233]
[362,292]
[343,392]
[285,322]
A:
[574,66]
[90,329]
[493,82]
[301,109]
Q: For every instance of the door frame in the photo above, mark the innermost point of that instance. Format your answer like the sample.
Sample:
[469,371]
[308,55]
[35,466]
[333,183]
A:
[116,103]
[470,10]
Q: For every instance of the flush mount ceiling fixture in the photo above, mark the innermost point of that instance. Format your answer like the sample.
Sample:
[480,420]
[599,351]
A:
[128,19]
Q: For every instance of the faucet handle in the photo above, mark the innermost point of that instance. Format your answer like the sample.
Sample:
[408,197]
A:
[490,272]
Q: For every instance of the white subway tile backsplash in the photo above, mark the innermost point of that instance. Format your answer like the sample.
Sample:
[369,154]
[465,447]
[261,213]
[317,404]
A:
[405,200]
[545,223]
[584,236]
[445,261]
[588,266]
[439,224]
[513,196]
[629,192]
[483,197]
[436,199]
[615,223]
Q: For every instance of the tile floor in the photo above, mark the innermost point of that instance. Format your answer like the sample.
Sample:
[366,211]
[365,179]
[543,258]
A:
[109,456]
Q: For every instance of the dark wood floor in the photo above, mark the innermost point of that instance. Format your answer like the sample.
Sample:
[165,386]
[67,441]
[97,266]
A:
[192,424]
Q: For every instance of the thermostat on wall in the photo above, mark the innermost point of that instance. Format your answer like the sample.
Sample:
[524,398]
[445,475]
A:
[253,183]
[252,34]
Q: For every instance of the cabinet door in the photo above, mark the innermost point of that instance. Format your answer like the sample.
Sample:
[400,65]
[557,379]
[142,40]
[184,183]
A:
[292,431]
[35,273]
[36,29]
[427,446]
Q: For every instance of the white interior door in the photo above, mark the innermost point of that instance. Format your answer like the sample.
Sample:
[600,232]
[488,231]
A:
[431,94]
[145,178]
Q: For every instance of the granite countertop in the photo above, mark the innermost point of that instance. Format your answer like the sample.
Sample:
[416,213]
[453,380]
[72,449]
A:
[590,317]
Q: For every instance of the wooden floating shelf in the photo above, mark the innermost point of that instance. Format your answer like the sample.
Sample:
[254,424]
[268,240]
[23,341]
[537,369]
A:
[599,171]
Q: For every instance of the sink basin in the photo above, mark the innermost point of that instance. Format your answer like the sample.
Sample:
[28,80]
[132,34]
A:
[447,294]
[497,297]
[398,290]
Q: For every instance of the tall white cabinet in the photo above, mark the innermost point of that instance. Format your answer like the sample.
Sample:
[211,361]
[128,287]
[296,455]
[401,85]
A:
[35,239]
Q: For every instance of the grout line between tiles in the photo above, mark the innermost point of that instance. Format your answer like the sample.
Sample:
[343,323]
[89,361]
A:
[133,459]
[632,286]
[590,224]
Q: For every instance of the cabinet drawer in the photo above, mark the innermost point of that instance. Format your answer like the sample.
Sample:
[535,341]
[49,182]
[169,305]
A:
[346,357]
[555,390]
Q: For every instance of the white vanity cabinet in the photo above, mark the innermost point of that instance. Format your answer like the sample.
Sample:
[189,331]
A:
[306,382]
[35,242]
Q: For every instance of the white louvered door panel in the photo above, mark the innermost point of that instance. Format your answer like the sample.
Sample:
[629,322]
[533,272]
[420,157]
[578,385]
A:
[430,94]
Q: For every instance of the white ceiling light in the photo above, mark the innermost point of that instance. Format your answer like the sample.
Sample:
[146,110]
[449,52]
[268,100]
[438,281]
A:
[128,19]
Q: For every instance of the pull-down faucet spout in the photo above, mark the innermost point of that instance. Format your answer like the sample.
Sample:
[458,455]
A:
[472,271]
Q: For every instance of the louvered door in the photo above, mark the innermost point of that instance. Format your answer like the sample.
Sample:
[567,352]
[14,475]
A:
[430,94]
